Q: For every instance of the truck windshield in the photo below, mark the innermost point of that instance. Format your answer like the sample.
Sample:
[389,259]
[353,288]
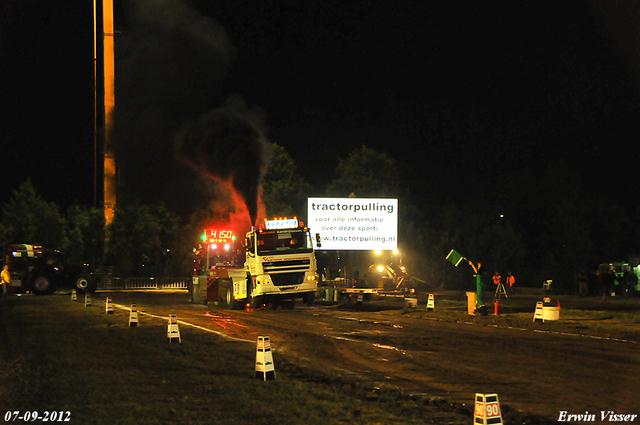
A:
[276,242]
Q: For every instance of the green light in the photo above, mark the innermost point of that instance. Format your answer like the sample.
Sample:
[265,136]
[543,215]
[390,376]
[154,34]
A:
[203,237]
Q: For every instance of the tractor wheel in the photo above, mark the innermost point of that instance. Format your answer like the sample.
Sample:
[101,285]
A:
[43,285]
[84,283]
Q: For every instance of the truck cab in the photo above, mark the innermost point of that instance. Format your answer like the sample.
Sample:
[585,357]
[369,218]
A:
[280,264]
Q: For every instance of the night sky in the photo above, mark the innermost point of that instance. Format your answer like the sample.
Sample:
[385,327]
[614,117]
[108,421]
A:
[457,92]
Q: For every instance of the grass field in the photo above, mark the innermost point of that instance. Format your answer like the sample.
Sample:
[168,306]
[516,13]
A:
[614,318]
[62,356]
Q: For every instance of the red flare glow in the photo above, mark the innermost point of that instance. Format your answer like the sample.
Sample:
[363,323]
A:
[223,320]
[238,213]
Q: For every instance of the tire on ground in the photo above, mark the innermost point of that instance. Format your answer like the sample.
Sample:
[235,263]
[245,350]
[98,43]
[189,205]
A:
[84,283]
[285,304]
[232,304]
[43,284]
[256,302]
[308,298]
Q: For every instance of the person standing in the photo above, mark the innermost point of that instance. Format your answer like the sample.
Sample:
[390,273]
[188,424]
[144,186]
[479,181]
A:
[479,270]
[497,278]
[5,280]
[511,281]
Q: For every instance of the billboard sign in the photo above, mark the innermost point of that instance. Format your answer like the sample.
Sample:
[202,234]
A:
[354,223]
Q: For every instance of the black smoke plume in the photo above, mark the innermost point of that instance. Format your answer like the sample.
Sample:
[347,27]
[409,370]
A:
[171,62]
[226,145]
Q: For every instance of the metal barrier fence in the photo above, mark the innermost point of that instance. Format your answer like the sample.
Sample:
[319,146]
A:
[144,283]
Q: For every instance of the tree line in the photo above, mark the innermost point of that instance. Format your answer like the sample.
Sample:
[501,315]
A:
[537,226]
[540,226]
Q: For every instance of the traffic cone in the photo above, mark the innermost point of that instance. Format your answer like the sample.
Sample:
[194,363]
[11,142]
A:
[172,329]
[74,296]
[265,369]
[87,300]
[431,303]
[496,308]
[109,306]
[487,410]
[538,316]
[133,316]
[558,304]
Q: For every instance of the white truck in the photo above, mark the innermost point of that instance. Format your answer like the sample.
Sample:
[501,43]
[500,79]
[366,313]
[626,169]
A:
[280,264]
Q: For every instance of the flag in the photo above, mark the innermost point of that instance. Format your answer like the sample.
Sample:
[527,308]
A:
[454,257]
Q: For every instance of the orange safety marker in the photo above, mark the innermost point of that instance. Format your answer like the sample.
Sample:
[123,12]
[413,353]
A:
[538,316]
[496,308]
[74,296]
[487,411]
[172,329]
[109,306]
[431,303]
[133,316]
[87,300]
[265,368]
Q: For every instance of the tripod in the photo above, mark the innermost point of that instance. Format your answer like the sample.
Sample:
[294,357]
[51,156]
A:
[500,290]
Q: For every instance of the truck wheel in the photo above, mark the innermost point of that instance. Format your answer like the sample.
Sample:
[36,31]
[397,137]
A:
[308,298]
[256,302]
[43,285]
[84,283]
[232,304]
[287,304]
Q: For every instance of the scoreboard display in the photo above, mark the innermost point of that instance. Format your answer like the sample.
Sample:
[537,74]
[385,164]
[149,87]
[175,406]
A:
[218,236]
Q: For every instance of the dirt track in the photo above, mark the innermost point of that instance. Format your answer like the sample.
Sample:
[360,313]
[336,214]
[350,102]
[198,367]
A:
[542,368]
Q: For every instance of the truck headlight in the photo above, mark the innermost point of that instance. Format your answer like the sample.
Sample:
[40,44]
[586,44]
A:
[312,277]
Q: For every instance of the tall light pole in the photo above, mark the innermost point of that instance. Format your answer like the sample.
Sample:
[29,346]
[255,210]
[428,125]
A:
[95,106]
[109,158]
[110,183]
